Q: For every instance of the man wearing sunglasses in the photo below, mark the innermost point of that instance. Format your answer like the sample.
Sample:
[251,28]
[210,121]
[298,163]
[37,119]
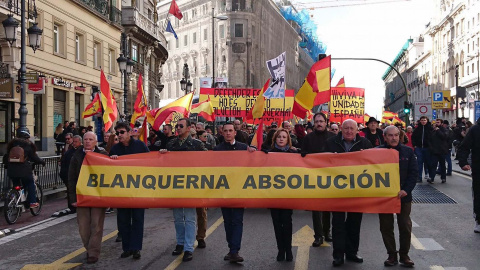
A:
[130,220]
[185,218]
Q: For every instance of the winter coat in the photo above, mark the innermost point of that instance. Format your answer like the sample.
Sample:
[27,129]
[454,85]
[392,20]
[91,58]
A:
[133,147]
[189,145]
[315,142]
[225,146]
[408,169]
[275,149]
[439,142]
[74,171]
[24,169]
[375,139]
[471,142]
[65,163]
[335,144]
[421,136]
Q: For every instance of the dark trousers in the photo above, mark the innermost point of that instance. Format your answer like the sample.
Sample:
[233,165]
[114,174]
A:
[346,233]
[321,223]
[69,203]
[476,193]
[404,227]
[201,223]
[448,159]
[437,160]
[423,156]
[130,226]
[28,185]
[282,224]
[233,222]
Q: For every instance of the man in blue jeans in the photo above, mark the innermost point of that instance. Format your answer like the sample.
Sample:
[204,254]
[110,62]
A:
[185,218]
[421,141]
[450,138]
[232,217]
[130,221]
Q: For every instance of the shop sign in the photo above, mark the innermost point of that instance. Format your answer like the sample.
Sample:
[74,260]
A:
[37,88]
[80,88]
[32,77]
[6,88]
[61,82]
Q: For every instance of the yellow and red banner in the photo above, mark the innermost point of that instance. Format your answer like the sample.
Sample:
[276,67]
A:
[366,181]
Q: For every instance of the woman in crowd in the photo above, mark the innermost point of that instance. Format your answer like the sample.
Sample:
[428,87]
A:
[59,138]
[282,218]
[112,140]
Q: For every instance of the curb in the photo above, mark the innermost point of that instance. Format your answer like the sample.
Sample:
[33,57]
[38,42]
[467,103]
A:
[6,232]
[462,172]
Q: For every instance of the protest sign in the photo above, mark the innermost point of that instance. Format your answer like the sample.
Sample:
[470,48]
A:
[347,103]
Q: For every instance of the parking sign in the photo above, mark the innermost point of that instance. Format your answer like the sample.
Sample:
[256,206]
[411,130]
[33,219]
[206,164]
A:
[441,99]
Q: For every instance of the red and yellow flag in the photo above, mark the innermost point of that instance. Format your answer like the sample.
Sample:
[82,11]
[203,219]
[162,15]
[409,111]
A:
[257,139]
[143,131]
[389,115]
[259,107]
[140,107]
[204,109]
[108,102]
[341,82]
[156,117]
[315,90]
[93,108]
[365,118]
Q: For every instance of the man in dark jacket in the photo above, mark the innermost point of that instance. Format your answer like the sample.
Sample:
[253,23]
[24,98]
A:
[21,173]
[421,137]
[438,148]
[450,139]
[346,232]
[373,133]
[408,175]
[90,219]
[65,165]
[232,217]
[130,221]
[241,136]
[471,142]
[185,218]
[315,142]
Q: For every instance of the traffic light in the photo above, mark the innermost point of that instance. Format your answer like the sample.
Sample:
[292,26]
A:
[407,107]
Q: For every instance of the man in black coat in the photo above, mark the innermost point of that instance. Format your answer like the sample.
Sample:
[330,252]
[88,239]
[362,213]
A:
[130,221]
[373,133]
[346,226]
[233,217]
[408,174]
[65,165]
[315,142]
[471,143]
[421,137]
[438,148]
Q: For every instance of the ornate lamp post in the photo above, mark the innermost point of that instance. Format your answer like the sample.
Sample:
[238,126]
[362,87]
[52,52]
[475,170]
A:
[125,65]
[185,83]
[34,38]
[222,18]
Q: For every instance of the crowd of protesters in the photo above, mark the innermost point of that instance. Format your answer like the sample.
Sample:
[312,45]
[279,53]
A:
[425,148]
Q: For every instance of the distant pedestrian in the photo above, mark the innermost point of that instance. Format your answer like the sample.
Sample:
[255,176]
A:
[438,148]
[421,138]
[408,174]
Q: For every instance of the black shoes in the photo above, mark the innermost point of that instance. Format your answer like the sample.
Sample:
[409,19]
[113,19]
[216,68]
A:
[281,256]
[444,181]
[227,257]
[430,181]
[187,256]
[406,261]
[354,258]
[289,255]
[391,260]
[126,254]
[235,258]
[178,250]
[328,237]
[317,242]
[201,244]
[118,239]
[338,261]
[285,255]
[136,254]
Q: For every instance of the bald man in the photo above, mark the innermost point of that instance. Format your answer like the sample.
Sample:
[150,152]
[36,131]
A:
[90,219]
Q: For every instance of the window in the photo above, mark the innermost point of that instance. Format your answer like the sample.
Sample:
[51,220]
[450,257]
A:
[97,54]
[185,40]
[168,45]
[205,34]
[194,38]
[59,38]
[111,61]
[456,30]
[238,30]
[134,52]
[177,43]
[79,48]
[221,29]
[140,54]
[56,38]
[149,14]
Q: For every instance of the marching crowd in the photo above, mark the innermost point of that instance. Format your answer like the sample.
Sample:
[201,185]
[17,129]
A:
[423,148]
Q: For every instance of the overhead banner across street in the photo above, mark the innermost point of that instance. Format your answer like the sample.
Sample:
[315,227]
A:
[366,181]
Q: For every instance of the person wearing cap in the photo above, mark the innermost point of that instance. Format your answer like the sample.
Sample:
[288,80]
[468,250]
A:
[373,133]
[21,173]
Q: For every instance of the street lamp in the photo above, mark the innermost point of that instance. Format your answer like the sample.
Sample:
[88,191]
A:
[34,34]
[222,18]
[125,64]
[185,83]
[462,106]
[478,71]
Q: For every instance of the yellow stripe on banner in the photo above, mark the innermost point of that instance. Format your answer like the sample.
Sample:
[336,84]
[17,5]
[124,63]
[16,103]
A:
[240,182]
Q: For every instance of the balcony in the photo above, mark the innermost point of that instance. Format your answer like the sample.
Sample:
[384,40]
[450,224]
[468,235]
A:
[132,17]
[103,9]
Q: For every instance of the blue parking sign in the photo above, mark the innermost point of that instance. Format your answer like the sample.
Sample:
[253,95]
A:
[438,96]
[477,110]
[434,114]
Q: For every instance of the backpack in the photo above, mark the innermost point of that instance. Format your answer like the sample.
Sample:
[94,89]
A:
[16,155]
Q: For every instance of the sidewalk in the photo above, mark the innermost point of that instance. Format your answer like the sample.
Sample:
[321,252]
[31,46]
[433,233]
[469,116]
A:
[457,168]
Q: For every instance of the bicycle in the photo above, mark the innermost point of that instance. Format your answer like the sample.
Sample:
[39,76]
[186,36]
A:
[16,203]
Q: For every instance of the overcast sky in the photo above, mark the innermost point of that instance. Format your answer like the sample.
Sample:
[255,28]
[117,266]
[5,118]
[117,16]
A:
[372,31]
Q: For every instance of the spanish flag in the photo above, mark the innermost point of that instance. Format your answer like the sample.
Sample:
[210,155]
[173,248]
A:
[315,90]
[341,82]
[397,120]
[257,139]
[140,107]
[144,131]
[259,107]
[93,108]
[108,102]
[386,121]
[156,117]
[204,109]
[389,115]
[365,118]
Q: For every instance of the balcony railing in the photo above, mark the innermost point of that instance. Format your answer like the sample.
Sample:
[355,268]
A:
[115,15]
[132,16]
[103,9]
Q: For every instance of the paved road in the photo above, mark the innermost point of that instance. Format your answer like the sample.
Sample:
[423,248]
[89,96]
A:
[443,239]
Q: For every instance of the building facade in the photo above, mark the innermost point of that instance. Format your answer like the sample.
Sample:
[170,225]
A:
[79,39]
[254,32]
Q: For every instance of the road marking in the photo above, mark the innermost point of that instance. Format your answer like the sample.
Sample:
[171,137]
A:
[61,264]
[173,265]
[427,244]
[414,224]
[303,240]
[416,244]
[32,229]
[463,175]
